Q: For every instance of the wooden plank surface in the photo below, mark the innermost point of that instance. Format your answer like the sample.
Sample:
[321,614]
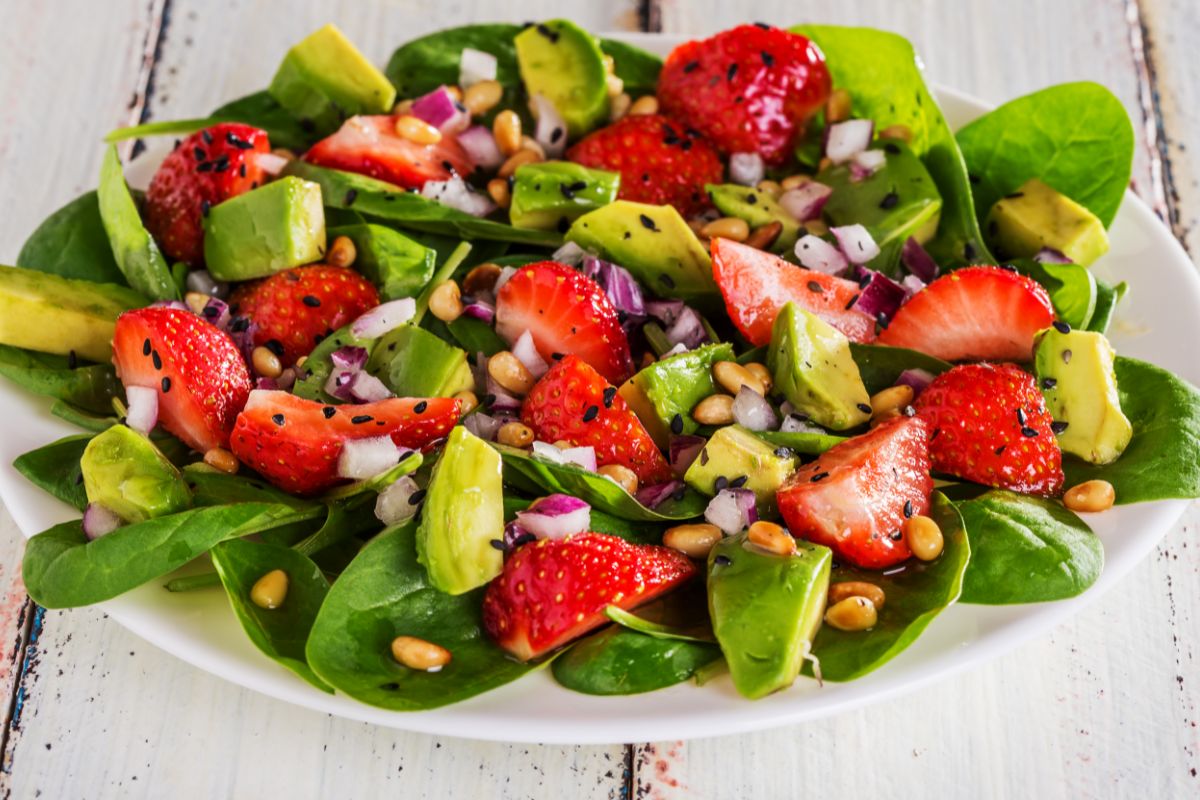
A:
[1105,706]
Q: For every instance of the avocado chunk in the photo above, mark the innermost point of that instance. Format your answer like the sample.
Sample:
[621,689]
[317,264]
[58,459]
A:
[325,79]
[653,243]
[813,368]
[413,362]
[1036,216]
[673,386]
[756,207]
[734,453]
[124,472]
[899,200]
[766,609]
[553,194]
[564,63]
[463,514]
[1076,376]
[50,314]
[396,264]
[266,230]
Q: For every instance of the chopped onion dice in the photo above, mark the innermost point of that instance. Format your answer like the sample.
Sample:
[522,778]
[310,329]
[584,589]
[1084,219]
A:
[869,162]
[688,329]
[526,352]
[482,425]
[142,414]
[383,318]
[918,379]
[99,520]
[817,254]
[731,510]
[395,503]
[582,457]
[570,254]
[442,111]
[1048,255]
[912,284]
[751,410]
[684,450]
[918,261]
[475,66]
[856,243]
[270,163]
[881,297]
[746,168]
[455,193]
[551,131]
[481,147]
[656,494]
[366,388]
[481,310]
[798,423]
[806,201]
[365,458]
[618,283]
[200,280]
[505,274]
[844,140]
[556,517]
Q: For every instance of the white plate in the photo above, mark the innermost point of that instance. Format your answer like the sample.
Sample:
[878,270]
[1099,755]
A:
[1158,322]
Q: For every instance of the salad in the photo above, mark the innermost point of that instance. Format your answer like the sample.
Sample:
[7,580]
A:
[533,349]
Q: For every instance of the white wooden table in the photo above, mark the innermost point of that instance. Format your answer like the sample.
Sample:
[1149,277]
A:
[1105,706]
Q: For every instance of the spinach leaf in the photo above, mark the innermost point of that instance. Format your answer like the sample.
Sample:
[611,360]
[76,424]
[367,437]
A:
[397,265]
[280,632]
[812,444]
[421,65]
[618,660]
[211,487]
[1075,137]
[385,593]
[1073,289]
[882,74]
[633,65]
[82,419]
[658,630]
[1026,550]
[134,250]
[345,520]
[63,569]
[55,468]
[593,488]
[476,336]
[913,597]
[90,387]
[1162,460]
[258,109]
[881,365]
[1107,298]
[72,243]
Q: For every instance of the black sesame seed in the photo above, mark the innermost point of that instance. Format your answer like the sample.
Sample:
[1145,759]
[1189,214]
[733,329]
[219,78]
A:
[591,413]
[723,561]
[156,360]
[198,153]
[416,497]
[351,196]
[549,34]
[1028,432]
[647,223]
[205,207]
[72,359]
[720,483]
[739,482]
[1058,426]
[863,407]
[1000,450]
[908,509]
[311,301]
[166,385]
[891,148]
[820,476]
[557,356]
[609,394]
[677,424]
[524,538]
[1021,415]
[1061,326]
[555,135]
[1014,195]
[896,535]
[206,136]
[1049,383]
[704,456]
[889,200]
[666,280]
[361,418]
[221,164]
[851,302]
[768,59]
[275,346]
[277,419]
[497,543]
[813,286]
[678,494]
[241,170]
[968,251]
[420,407]
[328,412]
[146,347]
[882,319]
[731,72]
[934,435]
[691,66]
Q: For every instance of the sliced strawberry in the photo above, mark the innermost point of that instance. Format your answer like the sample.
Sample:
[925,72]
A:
[293,310]
[856,495]
[201,378]
[756,285]
[370,146]
[973,313]
[565,312]
[295,443]
[206,168]
[572,402]
[555,590]
[989,424]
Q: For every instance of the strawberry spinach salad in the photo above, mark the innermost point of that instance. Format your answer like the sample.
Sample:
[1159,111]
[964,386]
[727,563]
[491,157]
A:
[535,349]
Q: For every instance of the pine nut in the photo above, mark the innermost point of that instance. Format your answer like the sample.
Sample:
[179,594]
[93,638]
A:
[816,227]
[697,224]
[517,160]
[733,228]
[763,374]
[417,130]
[893,398]
[732,376]
[623,476]
[455,93]
[923,536]
[482,97]
[644,106]
[840,591]
[467,401]
[1094,495]
[619,106]
[837,107]
[901,132]
[695,540]
[265,363]
[342,252]
[196,301]
[614,85]
[506,127]
[795,181]
[716,409]
[500,192]
[563,444]
[515,434]
[222,459]
[884,416]
[508,371]
[402,107]
[764,236]
[445,302]
[529,143]
[852,614]
[270,590]
[419,654]
[824,164]
[481,279]
[771,537]
[769,187]
[648,359]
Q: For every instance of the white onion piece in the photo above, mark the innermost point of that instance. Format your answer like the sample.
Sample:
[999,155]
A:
[795,423]
[455,193]
[200,280]
[526,352]
[394,504]
[365,458]
[805,202]
[383,318]
[555,526]
[817,254]
[746,168]
[366,388]
[142,414]
[856,242]
[845,139]
[551,131]
[727,511]
[582,457]
[481,147]
[483,425]
[548,452]
[270,163]
[99,520]
[475,66]
[505,274]
[570,254]
[674,351]
[751,410]
[912,284]
[870,161]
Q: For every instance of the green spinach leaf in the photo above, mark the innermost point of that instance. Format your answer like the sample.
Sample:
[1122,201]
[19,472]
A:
[619,660]
[1107,298]
[658,630]
[134,250]
[90,387]
[211,487]
[72,243]
[633,65]
[1073,289]
[880,365]
[421,65]
[55,468]
[811,444]
[258,109]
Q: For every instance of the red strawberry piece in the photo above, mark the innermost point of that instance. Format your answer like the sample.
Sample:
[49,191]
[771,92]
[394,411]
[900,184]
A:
[201,378]
[566,313]
[973,313]
[989,424]
[856,495]
[572,402]
[749,89]
[294,310]
[370,146]
[206,168]
[756,285]
[661,162]
[555,590]
[295,443]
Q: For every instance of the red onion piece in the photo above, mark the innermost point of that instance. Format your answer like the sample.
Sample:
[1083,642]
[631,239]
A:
[394,504]
[751,410]
[199,280]
[366,388]
[918,379]
[526,352]
[515,536]
[1048,255]
[678,350]
[582,457]
[216,312]
[481,147]
[142,413]
[619,284]
[856,243]
[551,131]
[732,510]
[656,494]
[442,111]
[746,168]
[365,458]
[475,66]
[881,297]
[817,254]
[483,425]
[806,201]
[570,254]
[665,311]
[844,140]
[556,517]
[481,310]
[869,161]
[683,451]
[455,193]
[918,261]
[688,329]
[383,318]
[98,521]
[798,423]
[912,284]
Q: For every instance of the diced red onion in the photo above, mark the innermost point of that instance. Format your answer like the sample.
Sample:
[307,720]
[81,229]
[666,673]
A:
[665,311]
[582,457]
[270,163]
[656,494]
[395,503]
[817,254]
[199,280]
[751,410]
[912,284]
[683,451]
[918,261]
[481,310]
[732,510]
[481,147]
[142,413]
[505,274]
[556,517]
[383,318]
[244,337]
[688,329]
[515,535]
[551,131]
[1048,255]
[618,283]
[501,401]
[442,111]
[570,254]
[798,423]
[918,379]
[455,193]
[856,243]
[285,381]
[482,425]
[805,201]
[338,384]
[869,161]
[526,352]
[881,297]
[349,357]
[475,66]
[216,312]
[366,388]
[365,458]
[843,140]
[746,168]
[98,521]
